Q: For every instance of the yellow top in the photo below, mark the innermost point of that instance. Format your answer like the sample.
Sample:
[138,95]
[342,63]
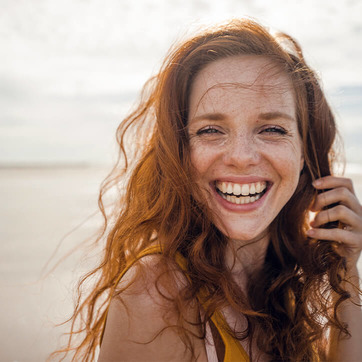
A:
[234,352]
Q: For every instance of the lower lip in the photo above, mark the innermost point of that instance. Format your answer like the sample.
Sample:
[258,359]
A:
[239,207]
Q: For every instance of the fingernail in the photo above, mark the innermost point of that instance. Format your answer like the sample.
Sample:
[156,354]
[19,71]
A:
[317,182]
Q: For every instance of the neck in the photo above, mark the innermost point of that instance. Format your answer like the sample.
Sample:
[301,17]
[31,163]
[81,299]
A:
[244,258]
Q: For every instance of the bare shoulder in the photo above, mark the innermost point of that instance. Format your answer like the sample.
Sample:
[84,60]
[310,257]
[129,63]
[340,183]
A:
[142,319]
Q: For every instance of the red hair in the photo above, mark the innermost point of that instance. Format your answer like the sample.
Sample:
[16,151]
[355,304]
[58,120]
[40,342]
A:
[288,299]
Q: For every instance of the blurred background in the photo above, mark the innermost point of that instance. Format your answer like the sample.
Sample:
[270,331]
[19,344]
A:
[69,71]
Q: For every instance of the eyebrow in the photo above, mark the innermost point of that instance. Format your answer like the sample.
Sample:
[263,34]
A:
[274,115]
[210,117]
[267,116]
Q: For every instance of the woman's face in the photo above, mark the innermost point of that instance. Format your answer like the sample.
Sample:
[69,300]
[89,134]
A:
[245,147]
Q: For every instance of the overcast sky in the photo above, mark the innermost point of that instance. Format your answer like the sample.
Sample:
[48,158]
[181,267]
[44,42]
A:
[69,69]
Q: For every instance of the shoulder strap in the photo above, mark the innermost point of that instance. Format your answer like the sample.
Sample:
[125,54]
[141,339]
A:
[234,351]
[152,249]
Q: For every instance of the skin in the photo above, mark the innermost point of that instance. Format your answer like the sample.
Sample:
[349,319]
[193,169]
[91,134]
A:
[140,313]
[348,240]
[243,129]
[242,144]
[229,142]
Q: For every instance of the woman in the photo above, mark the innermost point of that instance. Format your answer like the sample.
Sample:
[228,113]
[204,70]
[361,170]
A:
[211,256]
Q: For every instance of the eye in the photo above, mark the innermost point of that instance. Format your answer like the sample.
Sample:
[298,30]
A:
[207,130]
[274,129]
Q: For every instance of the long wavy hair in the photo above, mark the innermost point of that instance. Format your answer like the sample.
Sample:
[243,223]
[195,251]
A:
[288,304]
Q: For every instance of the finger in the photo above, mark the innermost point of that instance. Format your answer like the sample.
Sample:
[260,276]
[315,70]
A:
[337,213]
[346,237]
[331,182]
[338,195]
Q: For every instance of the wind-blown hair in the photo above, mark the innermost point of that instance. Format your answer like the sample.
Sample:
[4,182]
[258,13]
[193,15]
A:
[287,305]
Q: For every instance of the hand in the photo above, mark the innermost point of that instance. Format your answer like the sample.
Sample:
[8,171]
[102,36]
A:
[348,212]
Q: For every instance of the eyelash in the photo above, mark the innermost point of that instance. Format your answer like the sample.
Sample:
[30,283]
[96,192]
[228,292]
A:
[271,129]
[207,130]
[275,129]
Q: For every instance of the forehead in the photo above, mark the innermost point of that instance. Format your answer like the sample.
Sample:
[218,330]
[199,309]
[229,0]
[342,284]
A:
[252,75]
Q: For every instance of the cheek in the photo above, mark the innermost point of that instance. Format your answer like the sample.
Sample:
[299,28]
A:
[289,158]
[289,170]
[286,161]
[201,160]
[198,167]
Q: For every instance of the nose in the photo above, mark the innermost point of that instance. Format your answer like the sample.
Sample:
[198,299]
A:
[242,151]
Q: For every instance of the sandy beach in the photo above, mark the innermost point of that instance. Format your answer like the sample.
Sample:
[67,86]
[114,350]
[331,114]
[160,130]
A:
[39,207]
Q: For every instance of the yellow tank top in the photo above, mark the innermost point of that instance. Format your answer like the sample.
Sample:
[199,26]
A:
[234,352]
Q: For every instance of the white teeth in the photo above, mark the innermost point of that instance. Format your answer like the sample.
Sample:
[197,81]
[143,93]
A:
[237,189]
[222,186]
[260,187]
[245,189]
[241,200]
[252,189]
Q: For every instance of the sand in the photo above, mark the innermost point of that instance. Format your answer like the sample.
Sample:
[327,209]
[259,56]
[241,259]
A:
[39,207]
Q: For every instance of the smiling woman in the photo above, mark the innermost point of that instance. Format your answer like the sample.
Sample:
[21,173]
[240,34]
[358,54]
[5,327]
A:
[211,255]
[244,137]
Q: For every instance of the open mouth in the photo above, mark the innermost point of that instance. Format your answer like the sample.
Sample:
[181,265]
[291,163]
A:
[241,194]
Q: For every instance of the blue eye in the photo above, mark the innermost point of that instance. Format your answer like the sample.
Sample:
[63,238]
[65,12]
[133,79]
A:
[207,130]
[275,129]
